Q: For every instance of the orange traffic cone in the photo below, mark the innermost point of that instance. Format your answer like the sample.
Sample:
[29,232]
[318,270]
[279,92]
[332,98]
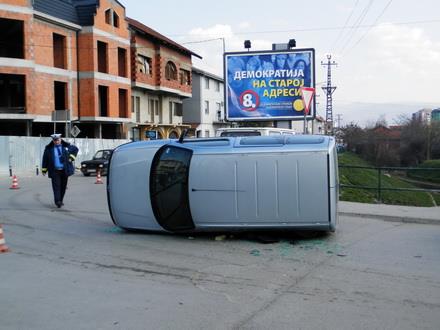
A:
[98,177]
[14,183]
[3,247]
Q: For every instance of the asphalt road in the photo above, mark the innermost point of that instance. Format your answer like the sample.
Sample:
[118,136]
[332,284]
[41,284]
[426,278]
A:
[71,268]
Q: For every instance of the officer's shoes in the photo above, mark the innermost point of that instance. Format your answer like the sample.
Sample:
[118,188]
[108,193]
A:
[59,204]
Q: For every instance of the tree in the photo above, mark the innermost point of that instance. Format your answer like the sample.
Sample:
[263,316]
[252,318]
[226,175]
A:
[353,137]
[414,142]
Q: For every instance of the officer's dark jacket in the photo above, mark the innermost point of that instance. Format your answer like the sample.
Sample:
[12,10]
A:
[69,154]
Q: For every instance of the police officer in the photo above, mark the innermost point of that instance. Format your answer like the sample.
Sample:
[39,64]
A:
[57,162]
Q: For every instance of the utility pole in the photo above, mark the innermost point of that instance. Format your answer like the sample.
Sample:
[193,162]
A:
[329,89]
[339,120]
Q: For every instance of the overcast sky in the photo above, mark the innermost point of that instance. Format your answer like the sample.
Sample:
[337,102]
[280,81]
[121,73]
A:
[387,51]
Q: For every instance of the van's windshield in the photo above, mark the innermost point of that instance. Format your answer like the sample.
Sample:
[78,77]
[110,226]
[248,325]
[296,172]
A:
[169,188]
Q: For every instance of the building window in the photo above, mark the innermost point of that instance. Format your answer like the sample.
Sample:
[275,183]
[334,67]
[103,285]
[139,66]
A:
[206,82]
[60,95]
[59,51]
[103,100]
[178,109]
[144,64]
[11,38]
[12,93]
[219,110]
[206,107]
[123,103]
[217,86]
[115,19]
[206,133]
[184,77]
[102,57]
[108,16]
[138,109]
[170,71]
[122,62]
[154,106]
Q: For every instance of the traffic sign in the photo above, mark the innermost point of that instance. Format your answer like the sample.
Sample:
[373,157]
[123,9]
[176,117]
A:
[75,131]
[151,135]
[307,97]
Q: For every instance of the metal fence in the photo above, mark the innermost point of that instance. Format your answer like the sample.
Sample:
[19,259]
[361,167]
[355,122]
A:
[20,154]
[403,173]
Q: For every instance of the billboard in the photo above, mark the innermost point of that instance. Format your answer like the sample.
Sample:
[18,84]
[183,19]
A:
[266,85]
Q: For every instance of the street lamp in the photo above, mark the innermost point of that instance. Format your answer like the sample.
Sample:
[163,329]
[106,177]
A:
[292,43]
[247,44]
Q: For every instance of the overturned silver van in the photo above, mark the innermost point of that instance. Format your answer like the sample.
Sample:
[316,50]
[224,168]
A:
[230,183]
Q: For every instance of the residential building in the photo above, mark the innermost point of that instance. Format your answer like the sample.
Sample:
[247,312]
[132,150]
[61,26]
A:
[435,115]
[423,115]
[161,80]
[76,62]
[205,112]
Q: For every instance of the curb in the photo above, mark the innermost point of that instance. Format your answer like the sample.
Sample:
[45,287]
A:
[392,218]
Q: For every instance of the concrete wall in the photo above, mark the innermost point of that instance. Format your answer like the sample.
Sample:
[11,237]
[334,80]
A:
[24,153]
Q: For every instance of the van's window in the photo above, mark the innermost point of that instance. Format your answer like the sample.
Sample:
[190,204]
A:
[262,141]
[298,139]
[240,133]
[169,188]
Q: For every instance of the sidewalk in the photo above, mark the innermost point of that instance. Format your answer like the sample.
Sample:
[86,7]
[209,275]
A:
[397,213]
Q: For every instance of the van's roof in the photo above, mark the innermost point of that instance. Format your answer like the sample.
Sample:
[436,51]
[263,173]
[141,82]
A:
[253,129]
[242,144]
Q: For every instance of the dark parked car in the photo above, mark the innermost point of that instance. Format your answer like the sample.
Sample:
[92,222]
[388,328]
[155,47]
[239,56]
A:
[99,162]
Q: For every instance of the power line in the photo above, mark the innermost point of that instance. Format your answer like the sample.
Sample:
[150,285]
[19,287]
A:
[357,24]
[345,24]
[328,28]
[374,24]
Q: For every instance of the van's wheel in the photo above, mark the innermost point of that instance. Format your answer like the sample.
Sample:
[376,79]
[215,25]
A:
[86,174]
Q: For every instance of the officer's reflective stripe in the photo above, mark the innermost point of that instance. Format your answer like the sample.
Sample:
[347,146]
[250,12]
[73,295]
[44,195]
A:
[72,156]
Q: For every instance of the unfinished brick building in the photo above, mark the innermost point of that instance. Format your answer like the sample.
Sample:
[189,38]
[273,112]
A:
[70,62]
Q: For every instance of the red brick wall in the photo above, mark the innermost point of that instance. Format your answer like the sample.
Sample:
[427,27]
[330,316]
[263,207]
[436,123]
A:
[162,55]
[100,23]
[42,34]
[90,97]
[147,48]
[27,26]
[38,45]
[167,54]
[22,3]
[88,62]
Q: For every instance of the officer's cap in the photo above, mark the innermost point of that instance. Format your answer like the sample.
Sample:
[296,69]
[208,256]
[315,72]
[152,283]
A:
[56,136]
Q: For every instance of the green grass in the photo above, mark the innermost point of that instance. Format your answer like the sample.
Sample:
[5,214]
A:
[369,178]
[428,175]
[436,197]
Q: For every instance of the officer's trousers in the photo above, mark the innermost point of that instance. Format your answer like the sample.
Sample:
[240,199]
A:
[59,185]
